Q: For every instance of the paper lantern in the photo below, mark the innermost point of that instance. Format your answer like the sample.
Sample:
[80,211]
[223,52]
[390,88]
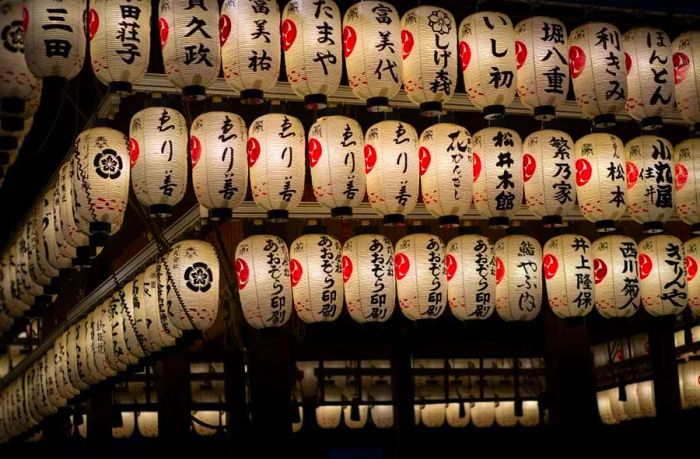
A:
[649,65]
[446,172]
[392,168]
[542,66]
[615,269]
[328,416]
[686,182]
[276,144]
[52,384]
[296,426]
[120,42]
[483,414]
[382,415]
[126,429]
[134,342]
[158,150]
[7,298]
[62,253]
[600,179]
[662,277]
[161,332]
[249,34]
[65,388]
[218,157]
[122,356]
[101,339]
[686,59]
[312,42]
[76,374]
[692,256]
[368,260]
[505,414]
[54,37]
[371,33]
[337,164]
[690,377]
[27,289]
[604,408]
[316,270]
[188,39]
[548,167]
[421,280]
[568,272]
[649,181]
[355,424]
[645,394]
[45,242]
[147,423]
[498,174]
[457,417]
[631,405]
[488,60]
[87,340]
[598,69]
[531,414]
[217,419]
[518,277]
[39,268]
[192,270]
[264,284]
[429,52]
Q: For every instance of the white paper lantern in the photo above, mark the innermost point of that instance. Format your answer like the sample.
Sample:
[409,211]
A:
[686,59]
[548,174]
[371,34]
[328,416]
[471,277]
[63,252]
[65,388]
[432,415]
[483,414]
[101,340]
[337,163]
[134,342]
[218,157]
[531,414]
[421,282]
[392,168]
[662,278]
[147,422]
[15,308]
[686,156]
[604,408]
[117,317]
[446,172]
[692,257]
[598,71]
[649,181]
[368,260]
[355,424]
[76,374]
[87,340]
[429,52]
[39,268]
[647,402]
[488,60]
[543,67]
[568,272]
[52,383]
[317,277]
[192,270]
[54,37]
[127,427]
[382,414]
[264,283]
[46,247]
[498,174]
[615,268]
[453,416]
[631,405]
[158,150]
[120,41]
[188,39]
[518,277]
[690,388]
[649,65]
[600,179]
[161,332]
[297,426]
[505,414]
[276,145]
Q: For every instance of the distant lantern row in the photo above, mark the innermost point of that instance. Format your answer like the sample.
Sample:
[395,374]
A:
[147,314]
[641,71]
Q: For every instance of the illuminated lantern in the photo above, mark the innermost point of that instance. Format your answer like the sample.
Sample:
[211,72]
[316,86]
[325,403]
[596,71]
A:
[312,42]
[446,172]
[649,65]
[64,252]
[54,397]
[518,277]
[276,145]
[382,414]
[567,266]
[421,282]
[488,58]
[548,175]
[692,257]
[647,402]
[76,375]
[617,406]
[158,150]
[598,69]
[120,42]
[686,59]
[600,179]
[337,163]
[138,326]
[218,157]
[15,308]
[687,183]
[191,52]
[117,321]
[498,174]
[65,388]
[87,339]
[662,278]
[296,426]
[371,33]
[531,414]
[690,387]
[40,269]
[161,332]
[126,429]
[217,419]
[54,37]
[429,52]
[432,409]
[355,424]
[135,343]
[249,34]
[649,181]
[471,277]
[147,423]
[368,259]
[100,340]
[192,268]
[505,414]
[46,246]
[483,414]
[317,277]
[631,405]
[604,408]
[328,416]
[264,283]
[543,67]
[392,168]
[615,269]
[456,416]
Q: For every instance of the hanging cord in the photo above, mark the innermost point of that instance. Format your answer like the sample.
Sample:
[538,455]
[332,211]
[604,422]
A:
[232,315]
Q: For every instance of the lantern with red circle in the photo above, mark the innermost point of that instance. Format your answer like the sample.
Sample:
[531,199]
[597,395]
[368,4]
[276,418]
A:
[598,71]
[446,172]
[471,277]
[567,266]
[543,67]
[686,59]
[692,257]
[662,276]
[518,277]
[616,276]
[686,156]
[371,33]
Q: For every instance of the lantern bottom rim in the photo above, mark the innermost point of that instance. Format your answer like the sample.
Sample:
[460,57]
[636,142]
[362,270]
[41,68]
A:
[8,143]
[448,221]
[378,104]
[499,222]
[494,112]
[278,215]
[12,123]
[545,113]
[122,88]
[194,92]
[252,96]
[220,213]
[341,212]
[651,123]
[550,221]
[394,220]
[431,108]
[605,226]
[315,102]
[605,120]
[160,210]
[653,227]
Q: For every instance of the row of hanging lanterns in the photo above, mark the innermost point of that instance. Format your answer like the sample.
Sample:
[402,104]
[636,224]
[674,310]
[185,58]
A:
[638,402]
[143,422]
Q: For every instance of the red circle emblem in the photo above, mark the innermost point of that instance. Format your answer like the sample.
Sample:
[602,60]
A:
[370,158]
[500,270]
[315,150]
[407,43]
[93,23]
[681,63]
[253,150]
[632,174]
[520,53]
[583,171]
[424,158]
[403,264]
[133,151]
[529,166]
[476,165]
[465,55]
[577,60]
[600,270]
[645,265]
[349,40]
[628,62]
[195,150]
[550,265]
[451,265]
[164,30]
[295,270]
[289,34]
[691,266]
[681,175]
[242,273]
[224,29]
[347,268]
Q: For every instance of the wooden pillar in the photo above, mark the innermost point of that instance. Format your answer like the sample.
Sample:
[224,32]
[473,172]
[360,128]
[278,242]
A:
[663,364]
[403,395]
[55,439]
[99,420]
[173,388]
[236,404]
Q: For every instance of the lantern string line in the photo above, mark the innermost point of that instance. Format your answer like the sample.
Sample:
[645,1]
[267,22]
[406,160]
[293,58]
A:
[220,248]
